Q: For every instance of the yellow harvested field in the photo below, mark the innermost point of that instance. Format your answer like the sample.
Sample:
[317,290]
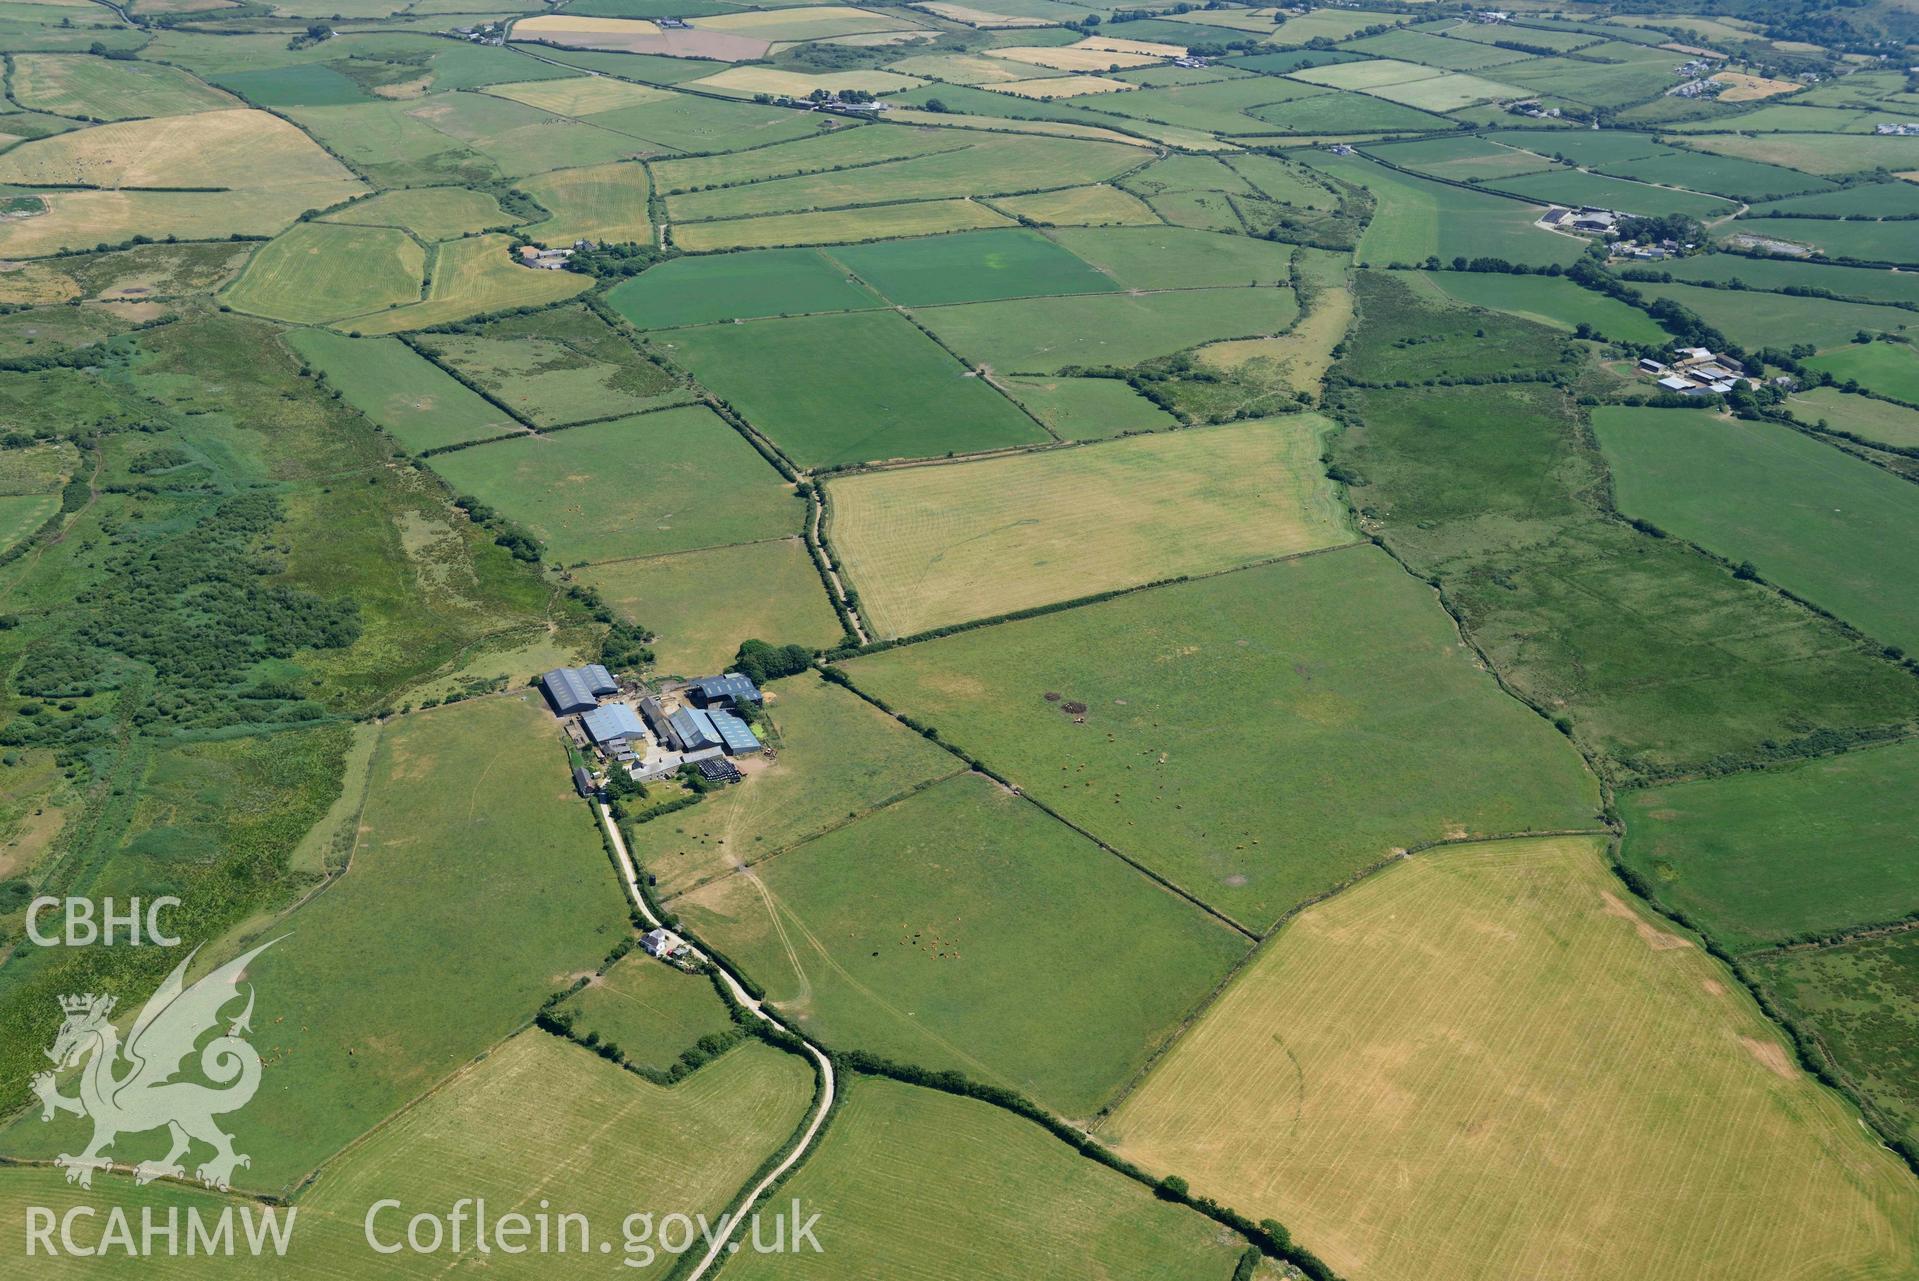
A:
[1911,175]
[633,35]
[932,545]
[1486,1063]
[470,277]
[837,227]
[960,68]
[806,22]
[550,26]
[83,219]
[980,17]
[1744,88]
[599,202]
[1150,48]
[1073,57]
[579,96]
[1061,87]
[240,148]
[747,81]
[1096,206]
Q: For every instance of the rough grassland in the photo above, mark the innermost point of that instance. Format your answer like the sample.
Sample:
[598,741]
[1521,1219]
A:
[400,390]
[1857,1000]
[1044,335]
[599,202]
[1256,737]
[1486,1063]
[927,546]
[741,286]
[702,604]
[649,1009]
[380,988]
[850,388]
[1842,533]
[318,272]
[838,757]
[919,1183]
[662,482]
[963,928]
[1763,857]
[472,277]
[922,218]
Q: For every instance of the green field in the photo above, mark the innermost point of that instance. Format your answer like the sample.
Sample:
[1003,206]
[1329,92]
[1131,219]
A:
[702,604]
[738,286]
[1045,335]
[1376,730]
[1890,369]
[1868,199]
[1482,1029]
[917,1182]
[312,85]
[662,482]
[842,389]
[319,271]
[1572,187]
[978,266]
[400,390]
[1765,857]
[1871,284]
[840,149]
[928,546]
[1416,219]
[838,758]
[1815,153]
[1842,533]
[1857,999]
[837,226]
[1087,408]
[650,1010]
[963,928]
[990,163]
[1782,320]
[1551,301]
[431,213]
[1178,257]
[21,514]
[1875,420]
[459,840]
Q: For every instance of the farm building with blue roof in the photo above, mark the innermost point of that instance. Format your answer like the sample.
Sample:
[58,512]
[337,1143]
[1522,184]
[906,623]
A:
[577,689]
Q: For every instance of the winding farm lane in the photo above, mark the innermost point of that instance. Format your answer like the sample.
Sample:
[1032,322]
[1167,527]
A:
[629,872]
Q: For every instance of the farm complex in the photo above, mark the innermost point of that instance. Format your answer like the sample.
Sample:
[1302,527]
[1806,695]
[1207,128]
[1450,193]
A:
[776,640]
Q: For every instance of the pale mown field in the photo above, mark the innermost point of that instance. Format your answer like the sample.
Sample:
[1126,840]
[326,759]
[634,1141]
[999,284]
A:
[928,546]
[1483,1063]
[539,1122]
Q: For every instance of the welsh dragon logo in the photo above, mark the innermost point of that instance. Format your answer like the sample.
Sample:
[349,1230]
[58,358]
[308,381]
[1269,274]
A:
[132,1088]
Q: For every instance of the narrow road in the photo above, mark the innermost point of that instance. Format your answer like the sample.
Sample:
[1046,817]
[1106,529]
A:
[629,872]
